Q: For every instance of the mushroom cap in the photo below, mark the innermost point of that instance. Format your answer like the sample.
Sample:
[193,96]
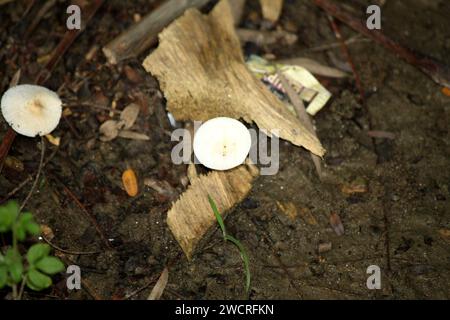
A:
[31,110]
[222,143]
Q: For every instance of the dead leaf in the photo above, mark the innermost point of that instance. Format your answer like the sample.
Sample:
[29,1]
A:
[162,187]
[446,91]
[129,115]
[130,182]
[53,140]
[445,234]
[160,286]
[336,224]
[324,247]
[315,67]
[288,209]
[308,217]
[201,69]
[191,216]
[357,186]
[109,130]
[47,232]
[127,134]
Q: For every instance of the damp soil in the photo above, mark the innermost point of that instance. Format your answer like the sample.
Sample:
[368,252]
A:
[392,194]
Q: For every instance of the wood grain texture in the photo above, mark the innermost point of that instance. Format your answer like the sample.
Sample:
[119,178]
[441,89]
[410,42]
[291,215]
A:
[201,70]
[191,217]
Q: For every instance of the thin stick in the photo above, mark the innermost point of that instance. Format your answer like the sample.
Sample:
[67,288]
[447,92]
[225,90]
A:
[304,117]
[27,180]
[33,187]
[347,54]
[88,214]
[144,34]
[436,70]
[74,253]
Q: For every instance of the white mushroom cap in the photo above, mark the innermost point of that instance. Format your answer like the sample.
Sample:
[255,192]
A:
[31,110]
[222,143]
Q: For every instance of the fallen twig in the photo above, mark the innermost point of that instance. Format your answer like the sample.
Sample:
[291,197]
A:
[303,116]
[38,174]
[144,34]
[347,54]
[436,70]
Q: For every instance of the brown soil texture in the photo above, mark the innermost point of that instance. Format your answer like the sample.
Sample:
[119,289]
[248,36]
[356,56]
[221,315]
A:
[399,220]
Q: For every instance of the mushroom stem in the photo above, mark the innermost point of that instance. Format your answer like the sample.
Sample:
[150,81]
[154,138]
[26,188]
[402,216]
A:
[33,187]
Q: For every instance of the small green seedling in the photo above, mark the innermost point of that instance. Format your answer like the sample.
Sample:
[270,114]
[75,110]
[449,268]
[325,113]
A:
[234,241]
[33,269]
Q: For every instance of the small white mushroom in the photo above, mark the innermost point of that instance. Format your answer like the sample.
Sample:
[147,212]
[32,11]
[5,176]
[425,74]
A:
[31,110]
[222,143]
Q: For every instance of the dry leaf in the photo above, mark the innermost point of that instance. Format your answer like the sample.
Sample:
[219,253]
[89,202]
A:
[446,91]
[14,164]
[162,187]
[53,140]
[47,232]
[445,234]
[160,286]
[130,183]
[315,67]
[357,186]
[336,224]
[288,209]
[201,70]
[308,217]
[109,130]
[324,247]
[129,115]
[127,134]
[191,216]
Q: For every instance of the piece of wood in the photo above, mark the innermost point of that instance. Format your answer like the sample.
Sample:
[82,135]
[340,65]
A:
[271,9]
[237,8]
[201,70]
[144,34]
[191,217]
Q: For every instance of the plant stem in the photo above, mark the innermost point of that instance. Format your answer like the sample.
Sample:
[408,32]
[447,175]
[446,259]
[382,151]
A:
[22,287]
[41,163]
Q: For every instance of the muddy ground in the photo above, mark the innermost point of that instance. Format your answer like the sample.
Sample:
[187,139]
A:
[399,219]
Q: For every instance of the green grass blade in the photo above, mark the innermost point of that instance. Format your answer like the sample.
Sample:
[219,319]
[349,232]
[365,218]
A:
[244,257]
[218,216]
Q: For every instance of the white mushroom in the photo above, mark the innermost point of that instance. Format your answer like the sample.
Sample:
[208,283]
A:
[222,143]
[31,110]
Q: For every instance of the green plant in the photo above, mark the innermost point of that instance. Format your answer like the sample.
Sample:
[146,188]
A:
[234,241]
[34,269]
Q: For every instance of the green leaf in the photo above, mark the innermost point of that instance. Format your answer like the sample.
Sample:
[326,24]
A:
[33,228]
[245,258]
[8,214]
[218,216]
[25,224]
[3,276]
[20,232]
[38,281]
[13,262]
[37,251]
[50,265]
